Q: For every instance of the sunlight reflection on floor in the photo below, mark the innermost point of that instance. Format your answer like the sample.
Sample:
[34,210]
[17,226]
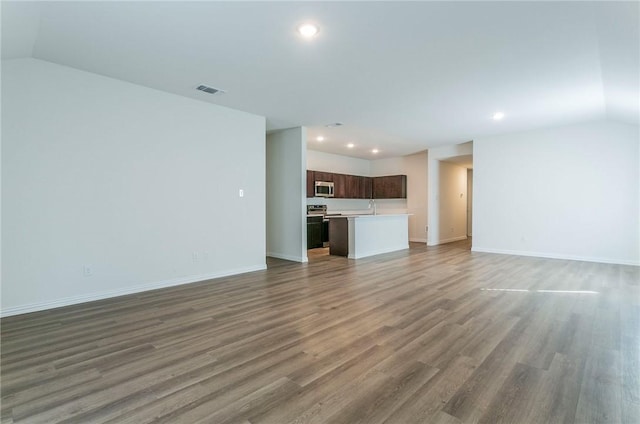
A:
[545,291]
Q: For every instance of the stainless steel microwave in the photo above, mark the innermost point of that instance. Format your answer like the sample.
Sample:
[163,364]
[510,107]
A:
[324,189]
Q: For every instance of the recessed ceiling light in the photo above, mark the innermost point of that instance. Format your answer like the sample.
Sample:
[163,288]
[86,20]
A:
[320,138]
[498,116]
[374,151]
[308,30]
[351,145]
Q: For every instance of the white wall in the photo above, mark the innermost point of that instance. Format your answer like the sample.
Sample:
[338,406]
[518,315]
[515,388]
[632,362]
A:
[451,151]
[388,166]
[444,179]
[286,194]
[569,192]
[139,185]
[415,167]
[338,164]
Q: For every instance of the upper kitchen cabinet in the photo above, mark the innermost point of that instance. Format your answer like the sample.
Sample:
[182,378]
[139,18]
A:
[323,176]
[390,187]
[367,187]
[358,187]
[343,185]
[340,186]
[352,186]
[311,182]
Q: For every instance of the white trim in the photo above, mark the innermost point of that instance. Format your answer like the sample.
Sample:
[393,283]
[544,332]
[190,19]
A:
[288,257]
[449,240]
[73,300]
[555,256]
[418,240]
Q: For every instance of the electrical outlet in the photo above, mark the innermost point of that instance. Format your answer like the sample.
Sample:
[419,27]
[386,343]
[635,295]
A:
[195,256]
[426,228]
[87,270]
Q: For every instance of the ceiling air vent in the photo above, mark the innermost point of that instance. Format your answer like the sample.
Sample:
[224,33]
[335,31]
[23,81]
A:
[210,90]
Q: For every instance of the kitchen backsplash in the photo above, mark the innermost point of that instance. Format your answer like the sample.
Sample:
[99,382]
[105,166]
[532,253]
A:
[360,206]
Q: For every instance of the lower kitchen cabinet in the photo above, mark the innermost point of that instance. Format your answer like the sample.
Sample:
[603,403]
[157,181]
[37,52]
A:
[314,232]
[325,231]
[339,228]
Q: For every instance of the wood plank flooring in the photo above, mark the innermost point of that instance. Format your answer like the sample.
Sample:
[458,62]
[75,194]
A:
[427,335]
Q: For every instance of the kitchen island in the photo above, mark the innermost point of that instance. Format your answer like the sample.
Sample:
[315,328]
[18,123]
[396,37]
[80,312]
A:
[359,236]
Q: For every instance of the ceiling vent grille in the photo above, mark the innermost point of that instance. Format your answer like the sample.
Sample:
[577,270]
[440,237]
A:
[209,90]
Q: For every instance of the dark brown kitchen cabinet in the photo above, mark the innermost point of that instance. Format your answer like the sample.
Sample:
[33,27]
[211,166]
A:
[311,189]
[353,185]
[340,186]
[314,232]
[323,176]
[339,236]
[367,187]
[358,187]
[390,187]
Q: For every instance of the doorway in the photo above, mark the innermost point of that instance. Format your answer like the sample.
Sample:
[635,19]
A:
[450,195]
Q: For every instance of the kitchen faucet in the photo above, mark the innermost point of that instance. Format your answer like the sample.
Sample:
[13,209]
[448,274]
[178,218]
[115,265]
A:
[373,202]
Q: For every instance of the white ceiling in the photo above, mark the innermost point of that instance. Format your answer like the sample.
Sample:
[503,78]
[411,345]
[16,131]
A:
[401,76]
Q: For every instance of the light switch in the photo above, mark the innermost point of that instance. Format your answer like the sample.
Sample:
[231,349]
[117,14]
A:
[241,193]
[87,270]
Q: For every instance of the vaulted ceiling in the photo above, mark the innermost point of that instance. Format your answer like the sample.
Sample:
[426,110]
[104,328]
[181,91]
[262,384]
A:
[400,76]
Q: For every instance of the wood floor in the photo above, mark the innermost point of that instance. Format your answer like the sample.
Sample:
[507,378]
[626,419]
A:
[428,335]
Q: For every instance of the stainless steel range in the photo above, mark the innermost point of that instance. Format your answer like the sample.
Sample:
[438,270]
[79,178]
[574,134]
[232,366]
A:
[317,210]
[316,215]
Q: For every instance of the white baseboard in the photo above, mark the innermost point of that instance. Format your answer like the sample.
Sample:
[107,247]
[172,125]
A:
[555,256]
[288,257]
[74,300]
[418,240]
[449,240]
